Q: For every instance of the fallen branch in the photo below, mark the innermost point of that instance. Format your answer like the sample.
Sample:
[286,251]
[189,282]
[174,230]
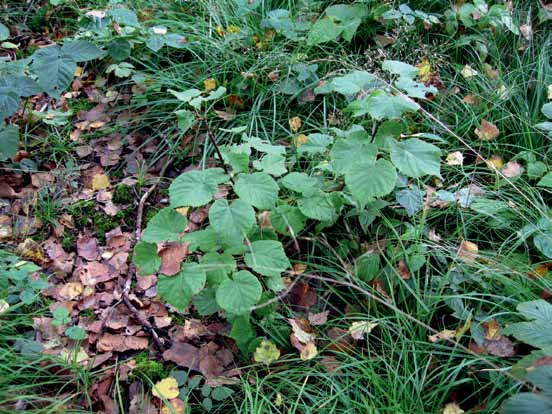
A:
[132,269]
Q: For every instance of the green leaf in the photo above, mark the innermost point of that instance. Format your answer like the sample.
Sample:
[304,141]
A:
[217,267]
[287,220]
[368,180]
[237,156]
[546,181]
[187,95]
[165,226]
[242,332]
[273,164]
[543,242]
[9,102]
[55,69]
[185,119]
[324,30]
[221,393]
[547,110]
[195,188]
[204,240]
[318,206]
[537,332]
[124,16]
[239,294]
[382,105]
[155,42]
[416,158]
[267,257]
[4,32]
[205,302]
[300,182]
[9,142]
[178,290]
[316,144]
[347,152]
[400,68]
[349,84]
[146,259]
[415,89]
[412,199]
[232,222]
[527,403]
[76,333]
[61,316]
[119,49]
[258,189]
[81,50]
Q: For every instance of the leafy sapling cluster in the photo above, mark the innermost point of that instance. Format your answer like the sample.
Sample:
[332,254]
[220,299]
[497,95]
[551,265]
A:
[239,256]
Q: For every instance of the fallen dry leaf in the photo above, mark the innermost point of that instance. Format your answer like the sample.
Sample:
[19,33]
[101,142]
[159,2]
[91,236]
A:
[302,330]
[166,389]
[183,354]
[487,131]
[318,318]
[172,256]
[121,343]
[176,406]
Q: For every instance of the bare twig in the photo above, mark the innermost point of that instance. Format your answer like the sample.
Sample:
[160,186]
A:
[278,298]
[215,144]
[132,269]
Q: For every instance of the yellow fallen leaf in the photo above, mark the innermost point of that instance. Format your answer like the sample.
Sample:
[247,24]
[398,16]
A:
[452,408]
[295,123]
[309,351]
[100,182]
[495,162]
[299,268]
[183,210]
[166,388]
[266,353]
[424,70]
[279,400]
[487,131]
[471,99]
[220,30]
[549,91]
[78,71]
[210,84]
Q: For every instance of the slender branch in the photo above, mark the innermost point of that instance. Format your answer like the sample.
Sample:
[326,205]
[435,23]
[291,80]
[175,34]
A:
[132,268]
[278,298]
[214,142]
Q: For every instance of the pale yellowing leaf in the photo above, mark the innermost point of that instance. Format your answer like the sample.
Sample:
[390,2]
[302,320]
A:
[495,162]
[455,158]
[267,352]
[442,336]
[512,169]
[424,70]
[4,306]
[361,328]
[210,84]
[452,408]
[467,251]
[300,139]
[468,72]
[295,123]
[309,352]
[166,388]
[100,182]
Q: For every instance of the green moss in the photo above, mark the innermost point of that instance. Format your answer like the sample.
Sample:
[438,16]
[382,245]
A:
[123,194]
[146,367]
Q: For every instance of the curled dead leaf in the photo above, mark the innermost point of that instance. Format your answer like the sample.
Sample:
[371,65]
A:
[295,124]
[487,131]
